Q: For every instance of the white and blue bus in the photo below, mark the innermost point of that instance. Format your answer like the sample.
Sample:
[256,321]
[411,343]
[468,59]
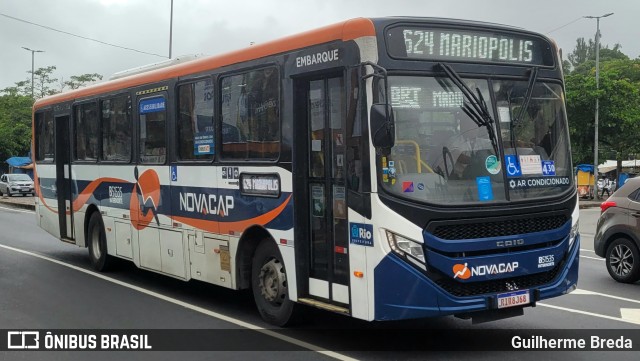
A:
[384,169]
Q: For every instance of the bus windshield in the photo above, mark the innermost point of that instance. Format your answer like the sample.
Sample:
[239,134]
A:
[443,155]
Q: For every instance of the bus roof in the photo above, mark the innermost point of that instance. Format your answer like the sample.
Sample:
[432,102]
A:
[346,30]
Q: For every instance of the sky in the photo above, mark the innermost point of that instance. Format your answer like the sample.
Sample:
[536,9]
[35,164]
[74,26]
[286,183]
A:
[214,26]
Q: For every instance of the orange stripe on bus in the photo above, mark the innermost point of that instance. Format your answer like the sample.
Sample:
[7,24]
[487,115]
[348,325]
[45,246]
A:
[226,227]
[88,191]
[345,31]
[82,197]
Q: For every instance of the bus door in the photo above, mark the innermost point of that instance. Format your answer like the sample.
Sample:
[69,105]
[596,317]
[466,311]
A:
[326,187]
[160,247]
[64,181]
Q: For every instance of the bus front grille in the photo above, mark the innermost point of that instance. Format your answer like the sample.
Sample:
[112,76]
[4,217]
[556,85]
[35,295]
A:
[508,227]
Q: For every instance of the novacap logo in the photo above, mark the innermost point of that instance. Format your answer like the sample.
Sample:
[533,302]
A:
[461,271]
[145,199]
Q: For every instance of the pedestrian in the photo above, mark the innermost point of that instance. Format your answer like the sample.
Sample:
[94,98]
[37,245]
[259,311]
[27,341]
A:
[606,187]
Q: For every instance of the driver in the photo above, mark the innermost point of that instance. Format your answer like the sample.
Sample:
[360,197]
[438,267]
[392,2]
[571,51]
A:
[463,146]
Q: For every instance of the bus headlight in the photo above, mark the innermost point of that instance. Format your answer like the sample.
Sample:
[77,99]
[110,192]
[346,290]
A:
[574,233]
[406,248]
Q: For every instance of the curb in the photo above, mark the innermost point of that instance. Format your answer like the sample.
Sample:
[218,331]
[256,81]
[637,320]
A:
[17,205]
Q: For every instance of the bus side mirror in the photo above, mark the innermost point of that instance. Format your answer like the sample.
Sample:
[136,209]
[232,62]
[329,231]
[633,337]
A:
[382,126]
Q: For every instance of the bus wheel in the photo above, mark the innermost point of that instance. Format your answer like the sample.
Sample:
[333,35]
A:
[100,260]
[269,284]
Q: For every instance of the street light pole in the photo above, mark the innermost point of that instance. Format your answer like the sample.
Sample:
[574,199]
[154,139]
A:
[32,63]
[171,29]
[595,146]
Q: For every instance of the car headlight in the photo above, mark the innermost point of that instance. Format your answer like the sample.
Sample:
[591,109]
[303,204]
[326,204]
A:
[574,233]
[406,248]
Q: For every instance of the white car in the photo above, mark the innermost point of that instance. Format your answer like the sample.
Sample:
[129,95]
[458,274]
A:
[16,183]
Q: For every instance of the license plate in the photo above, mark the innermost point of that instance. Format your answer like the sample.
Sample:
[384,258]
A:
[26,189]
[512,299]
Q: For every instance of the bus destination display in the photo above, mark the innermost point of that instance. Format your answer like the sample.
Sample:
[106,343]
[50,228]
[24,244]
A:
[457,45]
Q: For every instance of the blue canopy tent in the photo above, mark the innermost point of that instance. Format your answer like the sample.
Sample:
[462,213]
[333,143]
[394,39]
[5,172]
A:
[585,168]
[20,165]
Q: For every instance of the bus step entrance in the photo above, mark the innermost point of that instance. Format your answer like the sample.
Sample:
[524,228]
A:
[324,305]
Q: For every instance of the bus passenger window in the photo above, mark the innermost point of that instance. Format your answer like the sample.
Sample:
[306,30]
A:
[86,130]
[195,121]
[44,140]
[116,129]
[153,148]
[251,115]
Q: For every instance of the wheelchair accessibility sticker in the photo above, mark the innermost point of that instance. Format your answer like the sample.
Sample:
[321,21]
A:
[512,165]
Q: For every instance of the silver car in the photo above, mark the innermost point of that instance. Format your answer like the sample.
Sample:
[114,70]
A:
[17,183]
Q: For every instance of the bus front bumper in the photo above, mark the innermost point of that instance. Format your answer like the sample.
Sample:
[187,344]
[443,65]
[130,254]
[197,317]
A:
[403,292]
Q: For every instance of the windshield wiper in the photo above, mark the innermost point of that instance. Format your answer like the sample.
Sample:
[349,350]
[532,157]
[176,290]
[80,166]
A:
[525,104]
[527,97]
[474,106]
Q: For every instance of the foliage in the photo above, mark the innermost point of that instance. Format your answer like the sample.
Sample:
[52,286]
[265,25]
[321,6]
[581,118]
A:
[16,103]
[583,57]
[619,96]
[15,125]
[43,81]
[78,81]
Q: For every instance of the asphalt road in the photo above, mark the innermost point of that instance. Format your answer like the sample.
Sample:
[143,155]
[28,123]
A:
[47,284]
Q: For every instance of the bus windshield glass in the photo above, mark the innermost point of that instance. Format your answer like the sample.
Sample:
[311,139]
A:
[444,155]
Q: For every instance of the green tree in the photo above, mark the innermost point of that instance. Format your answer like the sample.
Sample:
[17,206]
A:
[583,56]
[619,96]
[16,103]
[15,125]
[44,81]
[582,52]
[78,81]
[619,114]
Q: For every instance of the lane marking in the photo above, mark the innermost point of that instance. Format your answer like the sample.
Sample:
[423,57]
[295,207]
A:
[631,314]
[220,316]
[580,291]
[588,313]
[597,259]
[587,250]
[17,210]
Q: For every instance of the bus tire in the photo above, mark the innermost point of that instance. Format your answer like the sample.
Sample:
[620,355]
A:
[269,285]
[101,261]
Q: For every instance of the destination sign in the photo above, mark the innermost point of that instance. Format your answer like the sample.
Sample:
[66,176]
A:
[256,184]
[477,46]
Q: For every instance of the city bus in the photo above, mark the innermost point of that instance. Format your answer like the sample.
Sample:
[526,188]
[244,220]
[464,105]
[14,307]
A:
[383,169]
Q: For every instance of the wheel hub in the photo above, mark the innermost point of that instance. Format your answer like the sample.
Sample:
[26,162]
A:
[621,260]
[273,282]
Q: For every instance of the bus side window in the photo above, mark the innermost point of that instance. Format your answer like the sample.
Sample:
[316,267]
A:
[86,129]
[116,129]
[251,115]
[195,121]
[153,116]
[44,139]
[358,178]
